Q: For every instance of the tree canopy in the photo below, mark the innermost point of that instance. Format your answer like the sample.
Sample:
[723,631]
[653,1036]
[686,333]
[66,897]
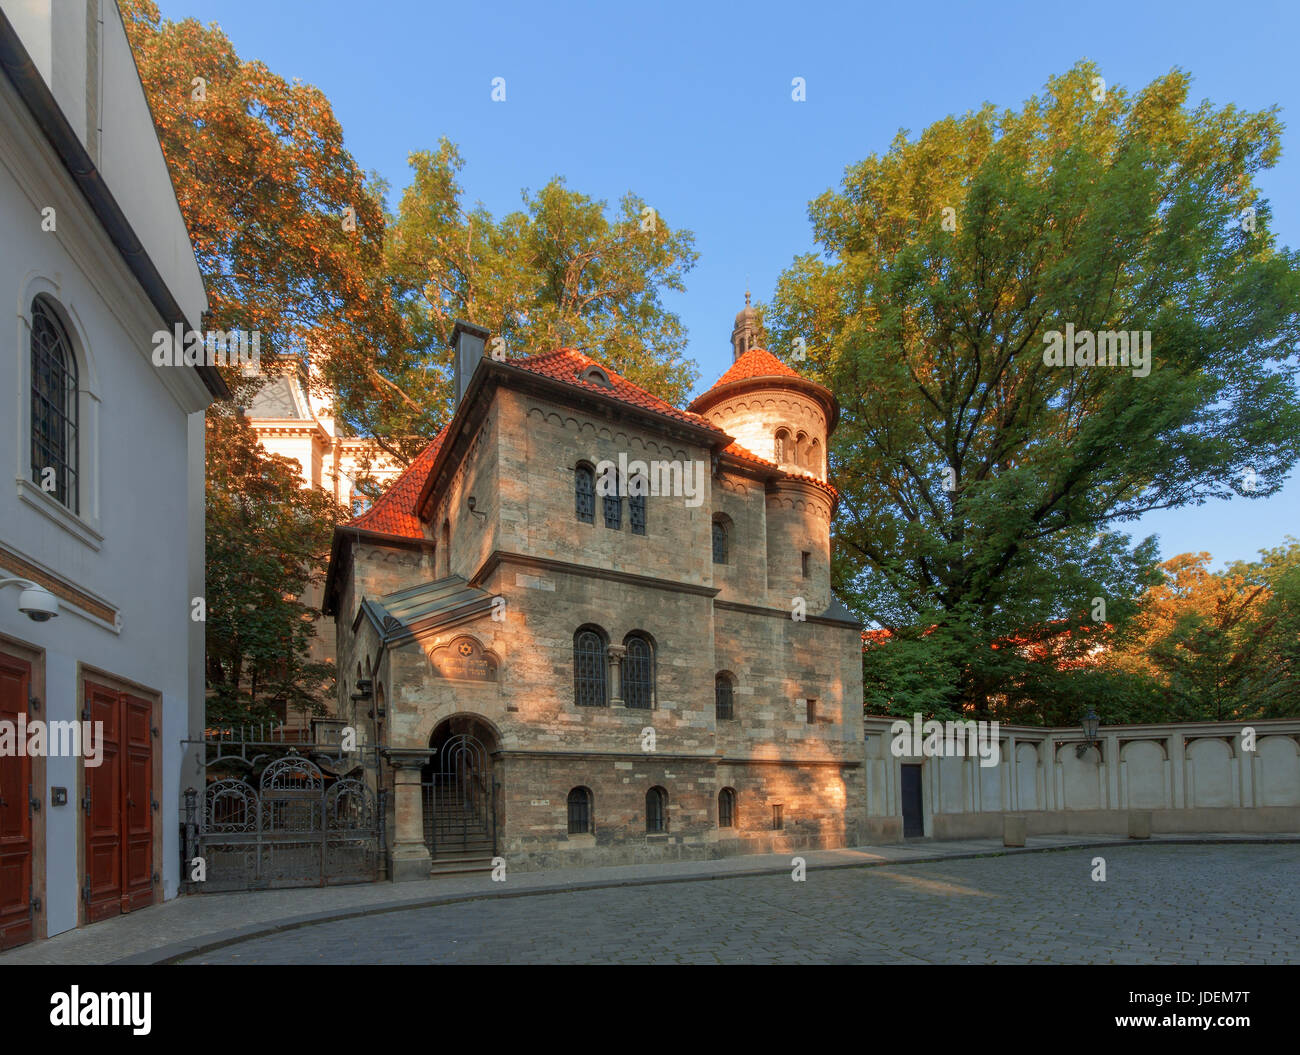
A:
[985,480]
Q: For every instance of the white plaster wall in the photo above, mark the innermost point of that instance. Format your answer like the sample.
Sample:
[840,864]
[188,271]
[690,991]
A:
[1277,771]
[129,156]
[1211,773]
[1027,777]
[1144,769]
[132,545]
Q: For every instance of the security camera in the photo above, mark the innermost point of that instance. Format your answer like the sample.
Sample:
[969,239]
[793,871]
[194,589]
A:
[38,604]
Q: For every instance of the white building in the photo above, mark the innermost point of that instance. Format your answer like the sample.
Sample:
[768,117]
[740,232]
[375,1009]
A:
[106,512]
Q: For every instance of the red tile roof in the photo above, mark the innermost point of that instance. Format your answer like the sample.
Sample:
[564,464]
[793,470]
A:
[744,454]
[567,364]
[394,511]
[757,362]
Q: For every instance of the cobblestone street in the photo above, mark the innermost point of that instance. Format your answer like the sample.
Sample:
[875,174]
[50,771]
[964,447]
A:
[1159,904]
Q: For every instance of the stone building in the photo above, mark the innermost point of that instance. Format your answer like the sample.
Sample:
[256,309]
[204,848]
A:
[585,626]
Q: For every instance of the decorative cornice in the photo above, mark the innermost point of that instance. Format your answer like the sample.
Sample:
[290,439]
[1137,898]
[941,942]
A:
[10,561]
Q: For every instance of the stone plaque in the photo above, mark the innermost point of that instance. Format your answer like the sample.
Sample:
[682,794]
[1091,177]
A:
[463,659]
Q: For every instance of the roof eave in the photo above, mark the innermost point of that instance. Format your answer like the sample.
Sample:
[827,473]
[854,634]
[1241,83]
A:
[819,392]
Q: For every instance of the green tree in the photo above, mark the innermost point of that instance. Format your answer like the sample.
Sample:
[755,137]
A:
[562,271]
[267,542]
[1218,646]
[983,484]
[287,230]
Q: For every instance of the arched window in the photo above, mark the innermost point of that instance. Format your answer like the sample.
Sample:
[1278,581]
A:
[781,447]
[637,488]
[638,672]
[445,548]
[727,808]
[656,810]
[589,668]
[584,493]
[54,407]
[724,697]
[612,502]
[721,533]
[580,811]
[815,458]
[800,449]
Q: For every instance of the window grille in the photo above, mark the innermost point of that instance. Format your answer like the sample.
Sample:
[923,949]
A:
[54,406]
[589,669]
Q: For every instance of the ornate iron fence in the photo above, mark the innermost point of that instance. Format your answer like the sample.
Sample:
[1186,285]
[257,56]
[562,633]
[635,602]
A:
[291,830]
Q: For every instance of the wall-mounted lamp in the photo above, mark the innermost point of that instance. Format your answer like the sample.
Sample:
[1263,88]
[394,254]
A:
[1091,723]
[472,502]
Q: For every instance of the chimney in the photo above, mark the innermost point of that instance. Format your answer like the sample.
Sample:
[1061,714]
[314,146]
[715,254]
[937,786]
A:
[467,341]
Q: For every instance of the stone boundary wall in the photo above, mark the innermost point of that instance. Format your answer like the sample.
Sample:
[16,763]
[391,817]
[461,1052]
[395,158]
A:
[1176,777]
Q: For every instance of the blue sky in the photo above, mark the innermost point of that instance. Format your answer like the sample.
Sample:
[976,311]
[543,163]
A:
[688,105]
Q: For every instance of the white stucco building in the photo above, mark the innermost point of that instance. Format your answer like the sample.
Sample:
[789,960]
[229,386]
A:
[105,507]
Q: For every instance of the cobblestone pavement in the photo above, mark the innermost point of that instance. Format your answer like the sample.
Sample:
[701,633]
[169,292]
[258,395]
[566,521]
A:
[1159,904]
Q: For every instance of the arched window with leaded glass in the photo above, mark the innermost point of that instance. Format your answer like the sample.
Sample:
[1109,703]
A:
[727,808]
[590,667]
[638,671]
[54,440]
[580,819]
[612,500]
[724,696]
[721,539]
[637,488]
[584,493]
[656,810]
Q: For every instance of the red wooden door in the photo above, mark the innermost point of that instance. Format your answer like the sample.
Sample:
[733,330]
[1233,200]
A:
[15,812]
[103,804]
[137,806]
[119,807]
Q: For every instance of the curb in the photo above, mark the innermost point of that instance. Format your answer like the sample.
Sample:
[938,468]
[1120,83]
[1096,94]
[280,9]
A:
[183,950]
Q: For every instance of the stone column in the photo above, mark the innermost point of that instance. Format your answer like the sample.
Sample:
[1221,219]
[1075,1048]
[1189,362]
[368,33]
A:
[616,654]
[410,858]
[1178,758]
[1111,762]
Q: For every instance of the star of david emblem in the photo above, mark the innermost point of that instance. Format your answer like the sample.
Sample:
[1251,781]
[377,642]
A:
[465,648]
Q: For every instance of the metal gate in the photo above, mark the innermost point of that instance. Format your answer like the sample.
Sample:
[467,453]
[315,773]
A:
[289,831]
[459,799]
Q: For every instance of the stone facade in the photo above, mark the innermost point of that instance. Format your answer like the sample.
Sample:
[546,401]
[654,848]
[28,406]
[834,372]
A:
[460,595]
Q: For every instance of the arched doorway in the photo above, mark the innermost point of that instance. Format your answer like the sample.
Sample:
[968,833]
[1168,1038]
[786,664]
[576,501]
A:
[458,791]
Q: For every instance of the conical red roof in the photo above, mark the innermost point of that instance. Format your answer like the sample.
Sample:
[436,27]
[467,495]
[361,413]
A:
[757,362]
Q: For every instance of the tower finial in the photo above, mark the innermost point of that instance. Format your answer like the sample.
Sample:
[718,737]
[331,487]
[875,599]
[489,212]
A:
[745,334]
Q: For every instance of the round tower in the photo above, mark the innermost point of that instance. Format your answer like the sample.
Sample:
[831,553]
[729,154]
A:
[770,409]
[773,412]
